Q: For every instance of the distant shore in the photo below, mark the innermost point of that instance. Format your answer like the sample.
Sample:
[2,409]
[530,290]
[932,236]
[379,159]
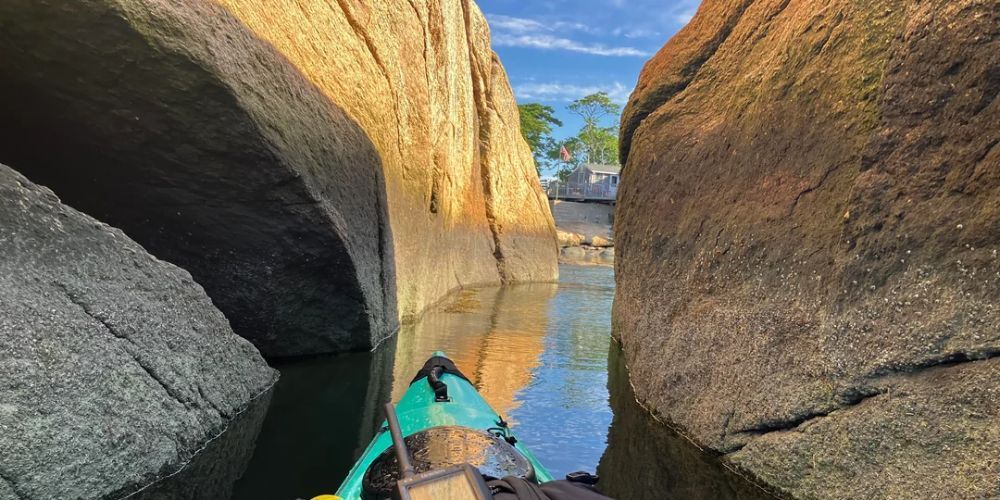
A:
[585,232]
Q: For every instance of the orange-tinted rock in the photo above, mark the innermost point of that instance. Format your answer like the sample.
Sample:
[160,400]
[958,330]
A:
[322,168]
[807,237]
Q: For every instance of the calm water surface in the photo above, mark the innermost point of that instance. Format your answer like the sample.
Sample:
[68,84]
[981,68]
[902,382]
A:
[539,353]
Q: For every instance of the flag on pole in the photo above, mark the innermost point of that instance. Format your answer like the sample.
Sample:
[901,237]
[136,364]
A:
[564,154]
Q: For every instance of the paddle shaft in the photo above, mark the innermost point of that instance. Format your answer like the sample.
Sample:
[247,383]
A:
[402,455]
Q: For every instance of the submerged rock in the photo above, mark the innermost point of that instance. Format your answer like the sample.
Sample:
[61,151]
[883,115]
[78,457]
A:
[808,230]
[312,164]
[115,367]
[573,253]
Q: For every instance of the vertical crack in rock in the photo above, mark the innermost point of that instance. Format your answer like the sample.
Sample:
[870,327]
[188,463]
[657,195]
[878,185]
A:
[387,269]
[360,31]
[482,95]
[436,170]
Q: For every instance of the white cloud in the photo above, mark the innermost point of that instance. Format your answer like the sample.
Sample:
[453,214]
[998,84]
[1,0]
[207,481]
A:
[514,24]
[524,25]
[633,33]
[566,92]
[549,42]
[509,31]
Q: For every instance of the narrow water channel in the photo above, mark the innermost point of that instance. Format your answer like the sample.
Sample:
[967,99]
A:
[539,353]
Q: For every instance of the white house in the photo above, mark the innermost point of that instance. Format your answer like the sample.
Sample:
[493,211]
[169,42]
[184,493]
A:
[588,181]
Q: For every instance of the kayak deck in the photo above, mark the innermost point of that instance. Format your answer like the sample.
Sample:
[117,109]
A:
[418,411]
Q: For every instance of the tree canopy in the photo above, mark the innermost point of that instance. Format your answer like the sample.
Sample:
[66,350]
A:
[596,142]
[537,121]
[594,108]
[600,143]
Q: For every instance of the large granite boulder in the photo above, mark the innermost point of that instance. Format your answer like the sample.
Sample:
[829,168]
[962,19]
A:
[310,163]
[807,238]
[115,367]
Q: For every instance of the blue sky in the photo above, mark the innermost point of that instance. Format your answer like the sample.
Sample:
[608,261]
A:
[556,51]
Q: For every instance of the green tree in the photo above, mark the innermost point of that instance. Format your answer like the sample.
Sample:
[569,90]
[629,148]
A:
[600,143]
[537,121]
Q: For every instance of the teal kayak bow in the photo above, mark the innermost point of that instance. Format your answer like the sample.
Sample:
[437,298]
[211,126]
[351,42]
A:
[444,421]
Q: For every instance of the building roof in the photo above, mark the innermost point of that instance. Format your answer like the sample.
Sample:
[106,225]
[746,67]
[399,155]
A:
[602,169]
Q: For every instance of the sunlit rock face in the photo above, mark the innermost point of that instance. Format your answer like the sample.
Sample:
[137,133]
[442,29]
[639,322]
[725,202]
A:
[807,237]
[115,367]
[422,81]
[323,169]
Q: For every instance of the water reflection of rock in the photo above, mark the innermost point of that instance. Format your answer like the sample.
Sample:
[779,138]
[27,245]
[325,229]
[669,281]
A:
[323,413]
[646,460]
[211,474]
[494,335]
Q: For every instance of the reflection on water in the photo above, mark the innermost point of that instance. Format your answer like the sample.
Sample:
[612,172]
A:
[646,460]
[494,335]
[322,414]
[539,355]
[564,413]
[213,472]
[536,352]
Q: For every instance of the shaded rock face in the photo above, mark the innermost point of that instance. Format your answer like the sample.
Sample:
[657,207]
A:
[312,164]
[807,237]
[114,366]
[212,151]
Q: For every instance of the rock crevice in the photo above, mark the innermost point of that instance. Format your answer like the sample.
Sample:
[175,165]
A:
[132,349]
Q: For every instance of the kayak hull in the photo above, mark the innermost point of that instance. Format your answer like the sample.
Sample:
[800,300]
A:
[418,411]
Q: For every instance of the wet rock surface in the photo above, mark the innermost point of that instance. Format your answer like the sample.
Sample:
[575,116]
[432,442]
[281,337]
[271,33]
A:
[807,237]
[115,367]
